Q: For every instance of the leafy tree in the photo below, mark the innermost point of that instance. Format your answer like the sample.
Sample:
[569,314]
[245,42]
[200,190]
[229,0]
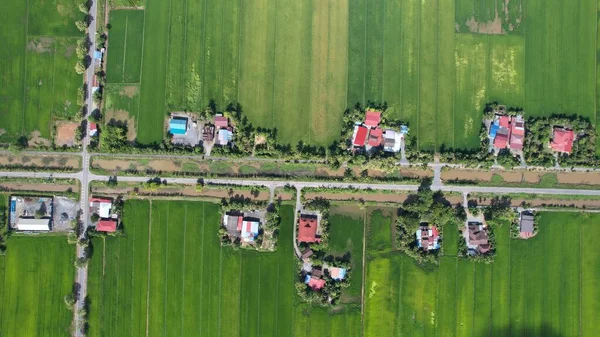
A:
[95,217]
[80,67]
[81,25]
[113,138]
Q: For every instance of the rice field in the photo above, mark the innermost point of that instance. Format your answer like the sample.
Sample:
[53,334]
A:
[296,66]
[36,274]
[545,286]
[38,83]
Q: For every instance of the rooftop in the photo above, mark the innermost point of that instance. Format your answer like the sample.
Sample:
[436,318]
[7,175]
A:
[372,118]
[307,228]
[562,140]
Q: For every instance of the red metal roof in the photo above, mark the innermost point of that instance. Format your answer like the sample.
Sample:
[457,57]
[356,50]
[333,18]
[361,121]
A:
[361,136]
[504,121]
[375,137]
[93,126]
[562,140]
[239,223]
[106,226]
[221,122]
[316,283]
[500,140]
[372,118]
[307,229]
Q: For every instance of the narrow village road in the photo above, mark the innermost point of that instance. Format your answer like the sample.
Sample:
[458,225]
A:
[82,272]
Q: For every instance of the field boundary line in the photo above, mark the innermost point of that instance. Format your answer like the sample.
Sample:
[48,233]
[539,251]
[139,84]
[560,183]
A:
[509,283]
[167,65]
[240,292]
[220,289]
[419,77]
[400,306]
[437,71]
[220,100]
[183,86]
[166,254]
[277,297]
[124,49]
[580,275]
[202,82]
[201,273]
[365,54]
[183,264]
[103,255]
[473,299]
[240,44]
[53,81]
[141,75]
[383,7]
[595,77]
[148,267]
[258,302]
[364,272]
[132,283]
[274,60]
[118,279]
[25,68]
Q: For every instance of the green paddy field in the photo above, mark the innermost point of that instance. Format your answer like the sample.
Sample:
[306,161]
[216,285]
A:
[38,83]
[545,286]
[35,275]
[296,65]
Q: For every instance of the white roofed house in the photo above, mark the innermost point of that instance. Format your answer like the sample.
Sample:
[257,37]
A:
[392,140]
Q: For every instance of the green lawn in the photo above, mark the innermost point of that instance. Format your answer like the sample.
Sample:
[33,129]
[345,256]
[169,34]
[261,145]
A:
[37,273]
[38,83]
[540,287]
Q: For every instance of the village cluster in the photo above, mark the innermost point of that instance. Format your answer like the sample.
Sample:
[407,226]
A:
[369,135]
[47,213]
[187,130]
[475,233]
[508,132]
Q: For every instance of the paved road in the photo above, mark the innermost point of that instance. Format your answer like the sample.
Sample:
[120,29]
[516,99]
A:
[84,178]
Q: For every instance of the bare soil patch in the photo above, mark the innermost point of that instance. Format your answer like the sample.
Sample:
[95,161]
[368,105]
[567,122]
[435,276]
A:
[466,175]
[41,45]
[490,27]
[259,139]
[531,177]
[123,116]
[17,186]
[35,139]
[584,178]
[129,90]
[112,165]
[65,133]
[284,196]
[188,191]
[512,177]
[379,197]
[164,165]
[589,204]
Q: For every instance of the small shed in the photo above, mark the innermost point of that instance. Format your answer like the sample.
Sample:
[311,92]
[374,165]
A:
[31,224]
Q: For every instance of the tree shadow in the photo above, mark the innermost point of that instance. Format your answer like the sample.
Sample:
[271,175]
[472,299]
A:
[505,331]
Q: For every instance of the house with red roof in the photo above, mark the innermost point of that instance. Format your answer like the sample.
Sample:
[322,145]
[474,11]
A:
[360,136]
[221,121]
[314,282]
[375,137]
[307,228]
[508,132]
[372,118]
[428,237]
[93,129]
[517,134]
[562,140]
[242,226]
[106,225]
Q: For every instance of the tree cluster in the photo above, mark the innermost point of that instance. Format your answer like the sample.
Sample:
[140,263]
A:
[424,207]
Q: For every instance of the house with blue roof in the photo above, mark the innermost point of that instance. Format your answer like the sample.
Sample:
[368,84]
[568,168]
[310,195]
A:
[178,126]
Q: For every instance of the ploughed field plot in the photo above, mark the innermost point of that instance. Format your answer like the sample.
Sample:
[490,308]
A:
[38,83]
[36,274]
[544,286]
